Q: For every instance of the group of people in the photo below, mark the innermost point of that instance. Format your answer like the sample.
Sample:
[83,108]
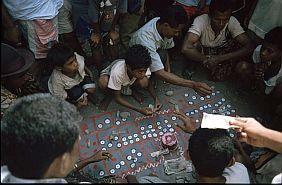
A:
[129,47]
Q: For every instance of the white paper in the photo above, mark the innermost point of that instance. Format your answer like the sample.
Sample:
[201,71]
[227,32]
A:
[214,121]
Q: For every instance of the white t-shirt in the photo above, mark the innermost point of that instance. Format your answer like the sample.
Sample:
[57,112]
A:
[202,27]
[273,81]
[237,173]
[118,76]
[149,37]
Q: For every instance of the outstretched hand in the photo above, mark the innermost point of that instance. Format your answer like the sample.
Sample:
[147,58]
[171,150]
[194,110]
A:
[202,88]
[101,155]
[187,126]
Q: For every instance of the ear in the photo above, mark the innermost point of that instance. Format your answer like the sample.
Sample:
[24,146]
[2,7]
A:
[58,167]
[65,161]
[231,162]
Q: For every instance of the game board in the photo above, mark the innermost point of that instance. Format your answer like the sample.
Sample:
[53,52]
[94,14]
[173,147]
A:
[138,135]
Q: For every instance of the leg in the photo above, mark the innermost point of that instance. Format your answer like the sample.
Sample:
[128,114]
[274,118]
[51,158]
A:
[103,85]
[97,56]
[139,84]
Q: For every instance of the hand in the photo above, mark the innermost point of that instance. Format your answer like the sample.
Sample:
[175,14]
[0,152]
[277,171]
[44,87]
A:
[113,37]
[212,61]
[95,39]
[146,111]
[251,131]
[82,102]
[259,72]
[158,105]
[100,155]
[202,88]
[187,127]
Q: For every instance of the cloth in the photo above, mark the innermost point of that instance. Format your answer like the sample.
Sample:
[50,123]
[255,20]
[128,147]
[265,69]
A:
[202,27]
[273,81]
[191,7]
[7,177]
[118,77]
[58,82]
[263,20]
[149,37]
[33,9]
[65,18]
[7,98]
[277,179]
[237,173]
[150,179]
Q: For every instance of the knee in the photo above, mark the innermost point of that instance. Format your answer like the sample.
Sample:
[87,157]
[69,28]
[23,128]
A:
[90,90]
[243,69]
[103,82]
[144,83]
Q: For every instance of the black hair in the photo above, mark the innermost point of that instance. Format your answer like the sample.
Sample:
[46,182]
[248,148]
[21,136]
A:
[35,130]
[220,5]
[138,57]
[274,37]
[174,15]
[59,54]
[210,150]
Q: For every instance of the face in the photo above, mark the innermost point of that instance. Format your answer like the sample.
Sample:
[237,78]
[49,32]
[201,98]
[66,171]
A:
[139,73]
[170,32]
[71,65]
[269,52]
[219,20]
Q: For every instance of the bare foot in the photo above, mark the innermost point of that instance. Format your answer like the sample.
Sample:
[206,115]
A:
[105,103]
[137,96]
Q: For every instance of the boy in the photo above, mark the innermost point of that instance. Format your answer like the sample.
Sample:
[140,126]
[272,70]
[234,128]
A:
[212,154]
[134,72]
[211,40]
[157,35]
[70,79]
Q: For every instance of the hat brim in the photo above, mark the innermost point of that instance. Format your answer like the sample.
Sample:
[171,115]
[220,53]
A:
[29,60]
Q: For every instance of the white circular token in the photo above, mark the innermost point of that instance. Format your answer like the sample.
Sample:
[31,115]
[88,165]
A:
[202,98]
[135,160]
[205,106]
[131,141]
[137,139]
[119,145]
[197,120]
[104,149]
[194,97]
[186,95]
[129,137]
[102,142]
[228,106]
[116,138]
[213,111]
[149,135]
[122,163]
[219,103]
[142,132]
[135,135]
[216,105]
[117,122]
[150,126]
[107,121]
[213,94]
[228,113]
[222,99]
[139,154]
[217,92]
[132,165]
[155,135]
[100,125]
[196,111]
[144,136]
[201,108]
[158,123]
[187,113]
[161,133]
[129,157]
[117,166]
[123,119]
[191,103]
[125,143]
[133,150]
[164,130]
[123,139]
[169,125]
[166,121]
[159,127]
[173,118]
[223,114]
[233,110]
[147,131]
[209,105]
[153,130]
[142,128]
[110,145]
[171,130]
[191,112]
[102,173]
[112,171]
[208,96]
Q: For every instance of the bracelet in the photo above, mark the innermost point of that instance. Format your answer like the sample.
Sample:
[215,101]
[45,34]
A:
[75,167]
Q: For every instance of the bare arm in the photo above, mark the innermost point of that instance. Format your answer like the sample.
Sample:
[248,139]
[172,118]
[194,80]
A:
[87,70]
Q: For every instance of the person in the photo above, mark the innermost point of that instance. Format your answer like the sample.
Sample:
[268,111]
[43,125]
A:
[96,21]
[16,81]
[158,34]
[70,79]
[46,149]
[217,41]
[125,76]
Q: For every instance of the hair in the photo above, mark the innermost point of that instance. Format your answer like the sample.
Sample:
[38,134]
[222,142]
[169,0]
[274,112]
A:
[174,15]
[274,37]
[59,54]
[219,5]
[34,131]
[210,150]
[138,57]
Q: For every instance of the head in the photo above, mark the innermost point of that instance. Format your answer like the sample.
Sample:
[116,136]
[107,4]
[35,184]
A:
[272,45]
[138,60]
[14,66]
[39,137]
[173,20]
[219,13]
[62,57]
[211,150]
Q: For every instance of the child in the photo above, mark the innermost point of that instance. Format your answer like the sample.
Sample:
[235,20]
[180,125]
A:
[70,79]
[212,154]
[132,71]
